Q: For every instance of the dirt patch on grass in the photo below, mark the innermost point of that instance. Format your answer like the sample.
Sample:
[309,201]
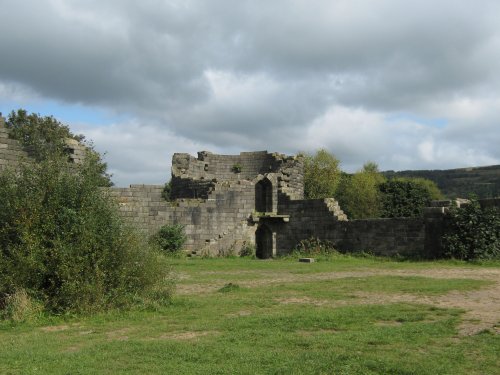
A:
[303,300]
[118,335]
[188,335]
[482,306]
[55,328]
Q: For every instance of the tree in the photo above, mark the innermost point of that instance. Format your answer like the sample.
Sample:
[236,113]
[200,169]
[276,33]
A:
[46,138]
[406,197]
[63,243]
[321,175]
[359,195]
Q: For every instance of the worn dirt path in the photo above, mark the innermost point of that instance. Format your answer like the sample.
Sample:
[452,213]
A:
[482,307]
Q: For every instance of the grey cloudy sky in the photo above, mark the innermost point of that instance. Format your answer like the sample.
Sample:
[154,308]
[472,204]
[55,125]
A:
[407,84]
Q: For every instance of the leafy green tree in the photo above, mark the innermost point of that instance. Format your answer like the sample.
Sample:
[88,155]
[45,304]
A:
[359,195]
[45,138]
[431,187]
[473,233]
[63,243]
[405,197]
[321,175]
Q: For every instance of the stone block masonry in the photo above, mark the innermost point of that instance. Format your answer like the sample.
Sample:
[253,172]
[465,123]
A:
[226,202]
[11,151]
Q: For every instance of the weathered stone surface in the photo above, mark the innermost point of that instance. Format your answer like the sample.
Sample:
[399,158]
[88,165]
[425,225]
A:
[226,202]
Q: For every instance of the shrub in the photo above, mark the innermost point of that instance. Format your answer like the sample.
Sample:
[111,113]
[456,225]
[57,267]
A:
[170,238]
[236,168]
[167,191]
[402,197]
[247,250]
[473,233]
[19,307]
[315,246]
[63,242]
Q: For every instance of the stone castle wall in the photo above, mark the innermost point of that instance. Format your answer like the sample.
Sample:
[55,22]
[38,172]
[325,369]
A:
[223,219]
[11,151]
[227,201]
[323,219]
[216,225]
[196,177]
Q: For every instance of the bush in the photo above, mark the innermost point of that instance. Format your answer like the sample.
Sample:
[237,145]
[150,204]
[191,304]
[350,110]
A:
[474,233]
[402,197]
[63,242]
[167,191]
[247,250]
[170,238]
[314,246]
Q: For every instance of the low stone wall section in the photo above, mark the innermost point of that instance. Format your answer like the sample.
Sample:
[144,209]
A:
[409,237]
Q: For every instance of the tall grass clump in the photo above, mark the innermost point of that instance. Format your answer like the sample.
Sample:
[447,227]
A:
[314,247]
[64,247]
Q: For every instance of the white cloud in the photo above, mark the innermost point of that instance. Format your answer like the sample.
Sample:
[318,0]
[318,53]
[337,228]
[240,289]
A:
[282,75]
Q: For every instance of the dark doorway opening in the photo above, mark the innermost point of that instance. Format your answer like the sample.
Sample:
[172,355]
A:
[264,242]
[264,196]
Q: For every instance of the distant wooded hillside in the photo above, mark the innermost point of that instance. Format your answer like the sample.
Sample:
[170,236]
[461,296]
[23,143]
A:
[482,181]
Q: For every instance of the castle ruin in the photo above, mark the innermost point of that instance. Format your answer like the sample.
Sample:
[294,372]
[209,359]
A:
[227,202]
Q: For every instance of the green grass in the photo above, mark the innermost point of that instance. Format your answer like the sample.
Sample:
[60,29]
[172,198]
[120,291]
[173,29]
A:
[267,317]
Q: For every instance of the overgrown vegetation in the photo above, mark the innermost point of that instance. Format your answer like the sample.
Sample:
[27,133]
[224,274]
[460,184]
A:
[321,175]
[473,233]
[314,246]
[63,246]
[170,239]
[248,250]
[167,191]
[403,197]
[366,193]
[237,168]
[46,138]
[359,195]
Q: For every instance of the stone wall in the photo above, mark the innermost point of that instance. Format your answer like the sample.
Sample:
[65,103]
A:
[216,225]
[323,219]
[196,177]
[11,151]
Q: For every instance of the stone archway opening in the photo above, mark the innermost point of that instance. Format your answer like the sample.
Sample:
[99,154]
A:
[264,242]
[264,196]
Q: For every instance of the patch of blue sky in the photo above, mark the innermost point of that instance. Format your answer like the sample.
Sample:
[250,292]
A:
[432,122]
[64,112]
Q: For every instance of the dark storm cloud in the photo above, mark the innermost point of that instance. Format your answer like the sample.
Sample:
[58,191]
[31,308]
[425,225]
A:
[282,75]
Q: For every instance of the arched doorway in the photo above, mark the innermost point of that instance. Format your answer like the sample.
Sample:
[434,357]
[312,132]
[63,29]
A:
[264,242]
[264,196]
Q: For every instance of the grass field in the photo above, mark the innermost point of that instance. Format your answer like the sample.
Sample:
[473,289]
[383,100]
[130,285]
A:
[344,315]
